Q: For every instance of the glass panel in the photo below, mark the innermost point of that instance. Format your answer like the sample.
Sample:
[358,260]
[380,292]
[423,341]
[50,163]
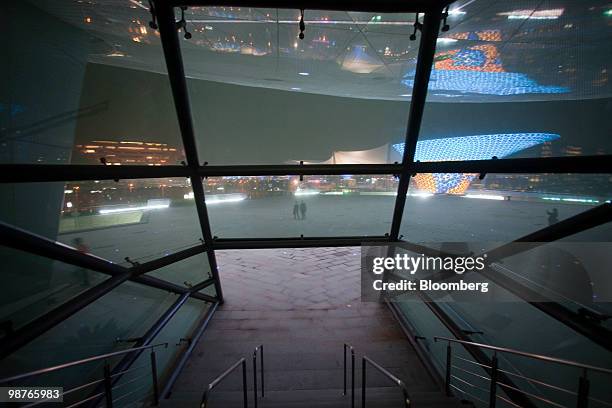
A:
[547,62]
[330,96]
[284,206]
[188,272]
[86,112]
[137,385]
[33,285]
[518,325]
[127,312]
[502,207]
[141,219]
[513,324]
[424,323]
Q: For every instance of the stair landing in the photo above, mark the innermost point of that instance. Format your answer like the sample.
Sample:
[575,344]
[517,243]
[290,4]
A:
[302,304]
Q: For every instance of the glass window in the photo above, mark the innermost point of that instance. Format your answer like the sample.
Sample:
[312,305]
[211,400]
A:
[334,97]
[136,385]
[33,285]
[519,79]
[447,207]
[124,313]
[141,219]
[188,272]
[285,206]
[103,72]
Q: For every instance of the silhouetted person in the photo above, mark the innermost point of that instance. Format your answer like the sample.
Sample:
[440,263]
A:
[553,216]
[81,247]
[303,210]
[296,211]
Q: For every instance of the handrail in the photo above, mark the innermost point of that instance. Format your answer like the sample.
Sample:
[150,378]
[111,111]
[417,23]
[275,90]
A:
[382,370]
[261,352]
[78,362]
[530,355]
[221,377]
[349,347]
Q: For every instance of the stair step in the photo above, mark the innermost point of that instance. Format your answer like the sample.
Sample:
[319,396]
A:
[383,397]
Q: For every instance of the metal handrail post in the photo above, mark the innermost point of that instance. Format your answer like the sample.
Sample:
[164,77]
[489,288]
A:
[583,391]
[260,349]
[387,374]
[447,380]
[154,378]
[244,384]
[108,386]
[221,377]
[493,387]
[352,350]
[352,378]
[363,383]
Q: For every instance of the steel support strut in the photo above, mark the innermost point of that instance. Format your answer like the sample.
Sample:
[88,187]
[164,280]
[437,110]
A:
[178,83]
[427,49]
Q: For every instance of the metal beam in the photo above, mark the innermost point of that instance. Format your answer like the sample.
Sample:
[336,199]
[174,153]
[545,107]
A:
[178,83]
[13,237]
[311,242]
[29,173]
[169,259]
[176,371]
[581,324]
[130,358]
[149,336]
[16,238]
[427,49]
[583,221]
[383,6]
[47,321]
[299,169]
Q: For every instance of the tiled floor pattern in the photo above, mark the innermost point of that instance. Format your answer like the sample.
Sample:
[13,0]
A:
[302,304]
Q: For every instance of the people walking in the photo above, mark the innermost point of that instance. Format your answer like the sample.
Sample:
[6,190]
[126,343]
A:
[303,210]
[553,216]
[296,211]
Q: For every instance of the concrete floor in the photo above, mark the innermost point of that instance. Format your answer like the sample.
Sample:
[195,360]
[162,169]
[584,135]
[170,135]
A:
[302,304]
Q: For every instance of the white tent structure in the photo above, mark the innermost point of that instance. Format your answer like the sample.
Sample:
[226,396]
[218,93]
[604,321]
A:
[382,154]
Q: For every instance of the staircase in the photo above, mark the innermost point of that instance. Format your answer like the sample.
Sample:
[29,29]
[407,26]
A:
[234,388]
[377,397]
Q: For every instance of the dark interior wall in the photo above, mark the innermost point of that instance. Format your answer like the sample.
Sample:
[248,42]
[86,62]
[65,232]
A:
[245,125]
[42,70]
[41,75]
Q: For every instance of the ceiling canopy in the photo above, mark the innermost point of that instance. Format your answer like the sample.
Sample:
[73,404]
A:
[495,51]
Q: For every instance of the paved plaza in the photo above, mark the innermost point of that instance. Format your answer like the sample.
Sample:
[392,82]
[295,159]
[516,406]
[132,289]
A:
[432,219]
[302,304]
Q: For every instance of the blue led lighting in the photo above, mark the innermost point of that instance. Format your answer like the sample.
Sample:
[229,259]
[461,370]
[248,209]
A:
[479,147]
[488,83]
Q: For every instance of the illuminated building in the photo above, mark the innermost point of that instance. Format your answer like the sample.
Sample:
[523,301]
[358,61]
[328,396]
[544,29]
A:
[480,147]
[478,69]
[129,152]
[572,151]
